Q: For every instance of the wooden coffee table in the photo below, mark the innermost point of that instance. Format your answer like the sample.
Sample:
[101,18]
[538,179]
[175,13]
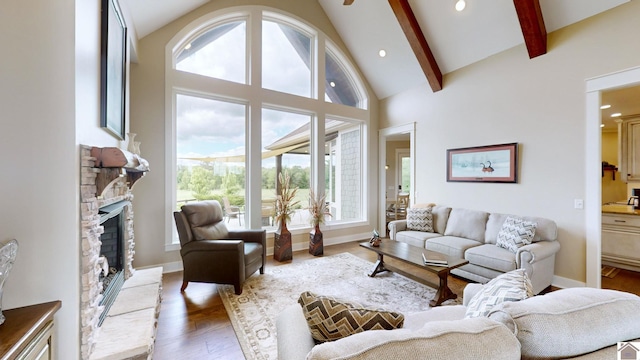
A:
[413,255]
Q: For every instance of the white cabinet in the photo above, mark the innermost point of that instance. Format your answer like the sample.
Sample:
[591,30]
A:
[621,240]
[630,150]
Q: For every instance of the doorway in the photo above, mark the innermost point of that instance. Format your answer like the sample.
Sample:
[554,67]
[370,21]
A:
[593,171]
[388,187]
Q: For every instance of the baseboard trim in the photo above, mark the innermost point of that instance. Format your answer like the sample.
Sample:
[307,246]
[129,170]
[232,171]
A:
[562,282]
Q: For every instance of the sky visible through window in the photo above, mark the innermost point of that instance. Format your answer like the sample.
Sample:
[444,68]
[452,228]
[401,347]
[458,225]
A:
[215,128]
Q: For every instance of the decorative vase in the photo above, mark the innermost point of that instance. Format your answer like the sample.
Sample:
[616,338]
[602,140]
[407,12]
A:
[282,244]
[131,145]
[316,247]
[8,252]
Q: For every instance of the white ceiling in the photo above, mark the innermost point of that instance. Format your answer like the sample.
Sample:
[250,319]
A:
[457,39]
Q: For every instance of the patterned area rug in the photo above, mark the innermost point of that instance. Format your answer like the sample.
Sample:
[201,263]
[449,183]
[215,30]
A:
[253,314]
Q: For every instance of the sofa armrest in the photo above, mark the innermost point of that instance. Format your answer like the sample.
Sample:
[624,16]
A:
[395,226]
[293,335]
[535,252]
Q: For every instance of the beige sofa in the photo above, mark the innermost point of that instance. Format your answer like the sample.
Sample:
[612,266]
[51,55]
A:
[471,234]
[582,323]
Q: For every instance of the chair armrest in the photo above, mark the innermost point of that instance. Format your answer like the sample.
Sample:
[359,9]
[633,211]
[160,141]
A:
[395,226]
[253,236]
[536,251]
[213,246]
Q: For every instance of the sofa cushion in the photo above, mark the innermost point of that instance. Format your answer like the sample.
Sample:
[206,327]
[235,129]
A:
[515,233]
[466,223]
[451,245]
[420,219]
[331,319]
[545,230]
[440,218]
[571,322]
[492,257]
[459,339]
[415,238]
[511,286]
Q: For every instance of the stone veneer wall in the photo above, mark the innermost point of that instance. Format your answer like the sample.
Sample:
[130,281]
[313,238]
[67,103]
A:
[90,203]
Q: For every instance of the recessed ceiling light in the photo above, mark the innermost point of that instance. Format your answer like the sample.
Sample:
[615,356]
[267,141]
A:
[616,114]
[601,125]
[460,5]
[332,84]
[382,53]
[605,106]
[188,46]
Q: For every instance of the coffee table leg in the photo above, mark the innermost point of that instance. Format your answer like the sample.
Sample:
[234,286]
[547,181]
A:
[444,293]
[378,267]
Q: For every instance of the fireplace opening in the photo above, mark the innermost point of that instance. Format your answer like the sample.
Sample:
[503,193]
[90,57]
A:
[112,254]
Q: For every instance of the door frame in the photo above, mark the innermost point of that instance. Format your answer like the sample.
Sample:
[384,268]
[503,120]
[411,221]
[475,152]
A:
[593,179]
[383,136]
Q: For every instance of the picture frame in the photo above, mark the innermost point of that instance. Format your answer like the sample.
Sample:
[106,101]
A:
[490,163]
[113,69]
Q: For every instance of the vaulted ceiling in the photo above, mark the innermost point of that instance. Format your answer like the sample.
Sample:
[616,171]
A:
[423,39]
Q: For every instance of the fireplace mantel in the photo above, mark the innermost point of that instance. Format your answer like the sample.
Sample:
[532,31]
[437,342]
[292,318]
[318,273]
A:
[114,163]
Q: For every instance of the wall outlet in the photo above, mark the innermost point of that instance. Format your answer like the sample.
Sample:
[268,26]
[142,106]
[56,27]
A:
[578,204]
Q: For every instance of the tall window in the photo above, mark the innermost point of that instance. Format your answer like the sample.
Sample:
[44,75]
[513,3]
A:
[236,130]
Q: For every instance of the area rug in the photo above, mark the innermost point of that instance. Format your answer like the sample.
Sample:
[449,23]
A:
[253,313]
[609,271]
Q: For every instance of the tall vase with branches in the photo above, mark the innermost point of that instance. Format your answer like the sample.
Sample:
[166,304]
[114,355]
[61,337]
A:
[318,209]
[285,203]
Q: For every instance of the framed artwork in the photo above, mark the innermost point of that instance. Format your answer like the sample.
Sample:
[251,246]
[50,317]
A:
[113,69]
[491,163]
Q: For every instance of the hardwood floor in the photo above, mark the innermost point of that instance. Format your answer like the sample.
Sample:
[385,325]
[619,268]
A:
[195,325]
[625,280]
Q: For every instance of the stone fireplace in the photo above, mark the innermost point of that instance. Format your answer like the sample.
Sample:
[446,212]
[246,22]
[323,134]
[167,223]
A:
[106,202]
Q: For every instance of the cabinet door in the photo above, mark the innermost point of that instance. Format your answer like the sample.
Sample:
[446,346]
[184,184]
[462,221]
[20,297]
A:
[40,348]
[633,150]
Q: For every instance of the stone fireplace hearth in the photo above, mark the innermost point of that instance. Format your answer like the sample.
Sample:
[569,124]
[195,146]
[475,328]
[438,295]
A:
[107,176]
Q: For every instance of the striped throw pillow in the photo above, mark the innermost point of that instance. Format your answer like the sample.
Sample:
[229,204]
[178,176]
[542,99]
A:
[332,319]
[420,219]
[511,286]
[515,233]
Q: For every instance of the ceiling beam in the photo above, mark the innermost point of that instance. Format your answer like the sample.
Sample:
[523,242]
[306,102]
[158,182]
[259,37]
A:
[418,42]
[532,24]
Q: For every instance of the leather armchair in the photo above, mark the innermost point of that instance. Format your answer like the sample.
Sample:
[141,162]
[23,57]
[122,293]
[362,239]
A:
[213,254]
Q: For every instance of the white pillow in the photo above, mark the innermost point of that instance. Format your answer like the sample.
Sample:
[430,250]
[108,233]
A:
[515,233]
[420,219]
[512,286]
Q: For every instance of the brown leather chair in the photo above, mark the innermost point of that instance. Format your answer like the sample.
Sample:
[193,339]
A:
[213,254]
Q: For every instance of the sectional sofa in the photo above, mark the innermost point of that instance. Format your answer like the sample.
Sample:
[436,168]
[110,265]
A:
[581,323]
[473,235]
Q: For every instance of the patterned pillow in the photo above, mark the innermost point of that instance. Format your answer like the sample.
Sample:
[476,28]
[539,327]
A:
[332,319]
[420,219]
[512,286]
[515,233]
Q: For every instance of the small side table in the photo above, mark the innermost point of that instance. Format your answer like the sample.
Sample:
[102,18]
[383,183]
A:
[27,332]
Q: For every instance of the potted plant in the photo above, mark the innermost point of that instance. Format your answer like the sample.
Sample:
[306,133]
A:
[318,209]
[284,209]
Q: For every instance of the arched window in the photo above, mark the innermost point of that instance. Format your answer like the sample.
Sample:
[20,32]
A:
[254,92]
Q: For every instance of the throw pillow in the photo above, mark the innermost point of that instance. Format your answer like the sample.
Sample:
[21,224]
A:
[511,286]
[332,319]
[420,219]
[515,233]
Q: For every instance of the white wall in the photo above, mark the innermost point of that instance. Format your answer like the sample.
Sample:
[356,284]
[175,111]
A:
[49,96]
[539,103]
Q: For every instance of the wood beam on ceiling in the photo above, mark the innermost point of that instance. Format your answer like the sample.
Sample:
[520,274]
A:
[532,24]
[418,42]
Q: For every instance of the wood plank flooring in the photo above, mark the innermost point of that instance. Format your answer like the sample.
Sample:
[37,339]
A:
[195,325]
